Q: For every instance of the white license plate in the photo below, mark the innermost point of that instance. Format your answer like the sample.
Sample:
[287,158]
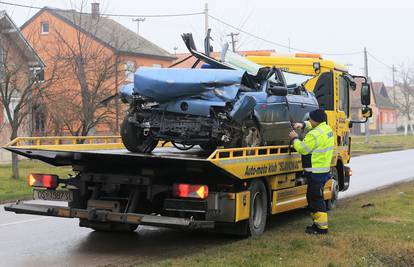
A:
[57,195]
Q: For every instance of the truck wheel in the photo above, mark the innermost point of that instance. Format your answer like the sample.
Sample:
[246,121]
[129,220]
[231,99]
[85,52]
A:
[256,223]
[331,203]
[134,140]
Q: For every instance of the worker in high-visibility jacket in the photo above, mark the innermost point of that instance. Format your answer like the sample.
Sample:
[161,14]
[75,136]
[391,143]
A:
[316,150]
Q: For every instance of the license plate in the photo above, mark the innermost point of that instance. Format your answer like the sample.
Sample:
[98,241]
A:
[57,195]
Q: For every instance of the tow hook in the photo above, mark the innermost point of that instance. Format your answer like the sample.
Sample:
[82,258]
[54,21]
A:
[146,131]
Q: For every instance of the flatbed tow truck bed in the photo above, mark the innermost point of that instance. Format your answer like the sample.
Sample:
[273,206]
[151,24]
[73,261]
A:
[228,174]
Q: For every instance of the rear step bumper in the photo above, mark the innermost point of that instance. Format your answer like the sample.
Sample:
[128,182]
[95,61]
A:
[107,216]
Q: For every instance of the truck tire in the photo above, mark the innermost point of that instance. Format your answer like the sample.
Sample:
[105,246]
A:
[134,140]
[331,203]
[255,225]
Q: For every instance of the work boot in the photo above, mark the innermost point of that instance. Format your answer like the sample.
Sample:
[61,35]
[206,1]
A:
[314,230]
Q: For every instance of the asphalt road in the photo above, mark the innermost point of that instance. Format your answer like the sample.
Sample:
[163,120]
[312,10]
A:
[44,241]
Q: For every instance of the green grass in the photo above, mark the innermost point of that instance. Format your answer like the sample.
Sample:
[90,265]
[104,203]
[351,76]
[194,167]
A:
[379,235]
[11,189]
[380,143]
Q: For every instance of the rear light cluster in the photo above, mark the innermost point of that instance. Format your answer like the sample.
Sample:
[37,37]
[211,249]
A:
[49,181]
[190,191]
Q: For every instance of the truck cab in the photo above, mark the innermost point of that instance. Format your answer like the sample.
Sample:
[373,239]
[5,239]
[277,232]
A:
[331,83]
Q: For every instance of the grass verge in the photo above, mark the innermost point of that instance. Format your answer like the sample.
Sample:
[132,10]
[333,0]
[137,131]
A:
[380,143]
[373,229]
[11,189]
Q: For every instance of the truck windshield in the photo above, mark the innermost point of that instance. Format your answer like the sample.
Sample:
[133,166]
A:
[295,78]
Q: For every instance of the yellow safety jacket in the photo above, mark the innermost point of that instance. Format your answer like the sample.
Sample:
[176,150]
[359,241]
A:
[317,148]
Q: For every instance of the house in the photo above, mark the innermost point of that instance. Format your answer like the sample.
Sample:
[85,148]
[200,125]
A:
[402,97]
[103,55]
[383,120]
[387,111]
[20,63]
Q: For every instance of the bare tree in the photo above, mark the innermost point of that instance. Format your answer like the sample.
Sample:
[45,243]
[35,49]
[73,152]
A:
[405,96]
[87,75]
[19,88]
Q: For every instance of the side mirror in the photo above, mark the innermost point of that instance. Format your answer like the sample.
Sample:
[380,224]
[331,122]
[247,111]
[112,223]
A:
[366,112]
[365,94]
[278,90]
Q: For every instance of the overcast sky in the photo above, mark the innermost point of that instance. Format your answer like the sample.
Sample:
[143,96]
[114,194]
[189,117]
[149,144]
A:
[386,28]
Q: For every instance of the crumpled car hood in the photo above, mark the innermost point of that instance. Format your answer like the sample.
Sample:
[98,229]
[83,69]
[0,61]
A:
[163,85]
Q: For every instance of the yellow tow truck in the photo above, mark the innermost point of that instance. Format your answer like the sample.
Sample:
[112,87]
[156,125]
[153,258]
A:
[234,190]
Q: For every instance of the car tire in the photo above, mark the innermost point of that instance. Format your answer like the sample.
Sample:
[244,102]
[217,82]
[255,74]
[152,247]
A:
[134,140]
[208,147]
[331,203]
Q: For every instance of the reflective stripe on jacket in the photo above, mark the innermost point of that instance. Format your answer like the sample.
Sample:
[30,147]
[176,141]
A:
[318,144]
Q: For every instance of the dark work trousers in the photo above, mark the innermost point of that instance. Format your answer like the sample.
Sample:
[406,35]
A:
[314,193]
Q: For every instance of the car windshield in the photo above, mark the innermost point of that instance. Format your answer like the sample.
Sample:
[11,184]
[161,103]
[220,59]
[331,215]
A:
[239,62]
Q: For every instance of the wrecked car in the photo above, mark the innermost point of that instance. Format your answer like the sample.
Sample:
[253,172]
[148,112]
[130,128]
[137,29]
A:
[233,104]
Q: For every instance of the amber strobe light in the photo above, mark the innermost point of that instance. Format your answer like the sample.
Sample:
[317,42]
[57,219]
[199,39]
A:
[49,181]
[190,191]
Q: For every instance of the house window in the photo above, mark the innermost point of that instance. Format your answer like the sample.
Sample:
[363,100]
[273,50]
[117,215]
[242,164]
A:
[44,27]
[14,101]
[129,71]
[39,119]
[385,117]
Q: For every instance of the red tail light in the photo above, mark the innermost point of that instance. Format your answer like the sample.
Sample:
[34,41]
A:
[49,181]
[190,191]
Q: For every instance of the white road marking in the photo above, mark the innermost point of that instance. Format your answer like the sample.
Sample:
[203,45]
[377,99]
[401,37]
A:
[24,221]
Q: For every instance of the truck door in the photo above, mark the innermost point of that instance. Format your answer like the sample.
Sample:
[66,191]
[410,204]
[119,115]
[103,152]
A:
[343,110]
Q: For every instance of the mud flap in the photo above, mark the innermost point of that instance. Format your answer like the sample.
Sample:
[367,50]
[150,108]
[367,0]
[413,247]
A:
[243,108]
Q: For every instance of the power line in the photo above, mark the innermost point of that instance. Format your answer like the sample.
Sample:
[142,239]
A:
[110,14]
[279,44]
[379,61]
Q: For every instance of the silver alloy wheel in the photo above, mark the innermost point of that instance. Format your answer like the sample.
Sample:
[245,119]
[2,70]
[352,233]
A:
[252,138]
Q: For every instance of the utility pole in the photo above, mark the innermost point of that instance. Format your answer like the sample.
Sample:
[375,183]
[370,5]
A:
[205,19]
[393,83]
[233,40]
[366,75]
[138,20]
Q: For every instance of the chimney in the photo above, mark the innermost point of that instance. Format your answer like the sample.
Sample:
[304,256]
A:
[95,10]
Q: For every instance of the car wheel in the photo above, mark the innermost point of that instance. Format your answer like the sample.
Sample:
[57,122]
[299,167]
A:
[134,140]
[331,203]
[251,136]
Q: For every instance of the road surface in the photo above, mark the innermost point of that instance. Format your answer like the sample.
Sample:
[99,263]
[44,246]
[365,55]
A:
[45,241]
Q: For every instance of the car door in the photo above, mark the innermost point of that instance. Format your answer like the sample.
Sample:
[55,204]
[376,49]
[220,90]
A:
[271,111]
